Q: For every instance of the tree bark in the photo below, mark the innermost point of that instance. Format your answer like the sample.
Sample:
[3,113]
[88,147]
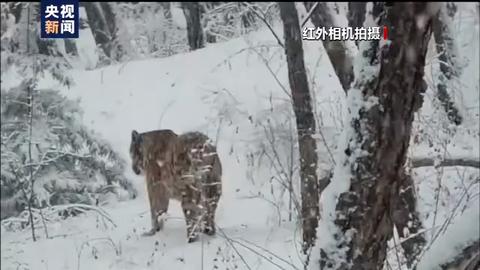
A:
[30,84]
[192,11]
[247,17]
[356,15]
[449,67]
[302,105]
[336,50]
[71,47]
[102,23]
[16,10]
[44,46]
[407,219]
[47,47]
[377,149]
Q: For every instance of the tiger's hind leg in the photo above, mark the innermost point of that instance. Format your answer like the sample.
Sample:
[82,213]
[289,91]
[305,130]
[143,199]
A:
[212,193]
[193,212]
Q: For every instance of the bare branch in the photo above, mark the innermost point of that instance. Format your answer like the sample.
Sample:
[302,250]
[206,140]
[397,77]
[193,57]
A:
[356,14]
[305,121]
[261,15]
[309,14]
[449,66]
[465,162]
[337,51]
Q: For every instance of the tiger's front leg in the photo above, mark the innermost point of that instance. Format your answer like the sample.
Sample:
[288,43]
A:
[158,195]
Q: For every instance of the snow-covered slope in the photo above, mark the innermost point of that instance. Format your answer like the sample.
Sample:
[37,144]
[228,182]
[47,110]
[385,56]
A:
[220,90]
[228,91]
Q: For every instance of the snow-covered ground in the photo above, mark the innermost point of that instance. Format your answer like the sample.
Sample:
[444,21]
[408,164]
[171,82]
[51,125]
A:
[220,90]
[224,90]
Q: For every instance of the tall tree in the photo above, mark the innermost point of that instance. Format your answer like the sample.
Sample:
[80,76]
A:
[101,19]
[193,13]
[356,15]
[386,94]
[407,220]
[448,56]
[337,51]
[71,47]
[302,106]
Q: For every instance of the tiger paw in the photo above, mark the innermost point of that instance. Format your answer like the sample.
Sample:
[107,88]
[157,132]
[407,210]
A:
[192,239]
[209,230]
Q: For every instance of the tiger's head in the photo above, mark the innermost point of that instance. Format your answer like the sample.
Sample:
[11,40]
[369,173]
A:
[136,153]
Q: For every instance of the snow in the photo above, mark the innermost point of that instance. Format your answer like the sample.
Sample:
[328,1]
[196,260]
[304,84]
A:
[87,53]
[455,187]
[213,90]
[463,144]
[328,234]
[228,92]
[178,17]
[454,223]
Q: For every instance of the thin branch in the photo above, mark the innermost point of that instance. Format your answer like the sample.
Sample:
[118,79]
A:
[229,240]
[262,17]
[269,252]
[284,89]
[337,51]
[465,162]
[309,14]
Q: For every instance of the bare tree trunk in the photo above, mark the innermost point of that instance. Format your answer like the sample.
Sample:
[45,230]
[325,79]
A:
[407,219]
[302,105]
[337,51]
[15,8]
[39,45]
[31,180]
[192,11]
[380,134]
[17,11]
[468,259]
[449,67]
[29,199]
[47,47]
[102,23]
[70,47]
[117,49]
[356,15]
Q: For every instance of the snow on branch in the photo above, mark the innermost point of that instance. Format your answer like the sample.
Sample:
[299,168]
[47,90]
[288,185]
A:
[53,214]
[261,14]
[464,162]
[450,65]
[309,14]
